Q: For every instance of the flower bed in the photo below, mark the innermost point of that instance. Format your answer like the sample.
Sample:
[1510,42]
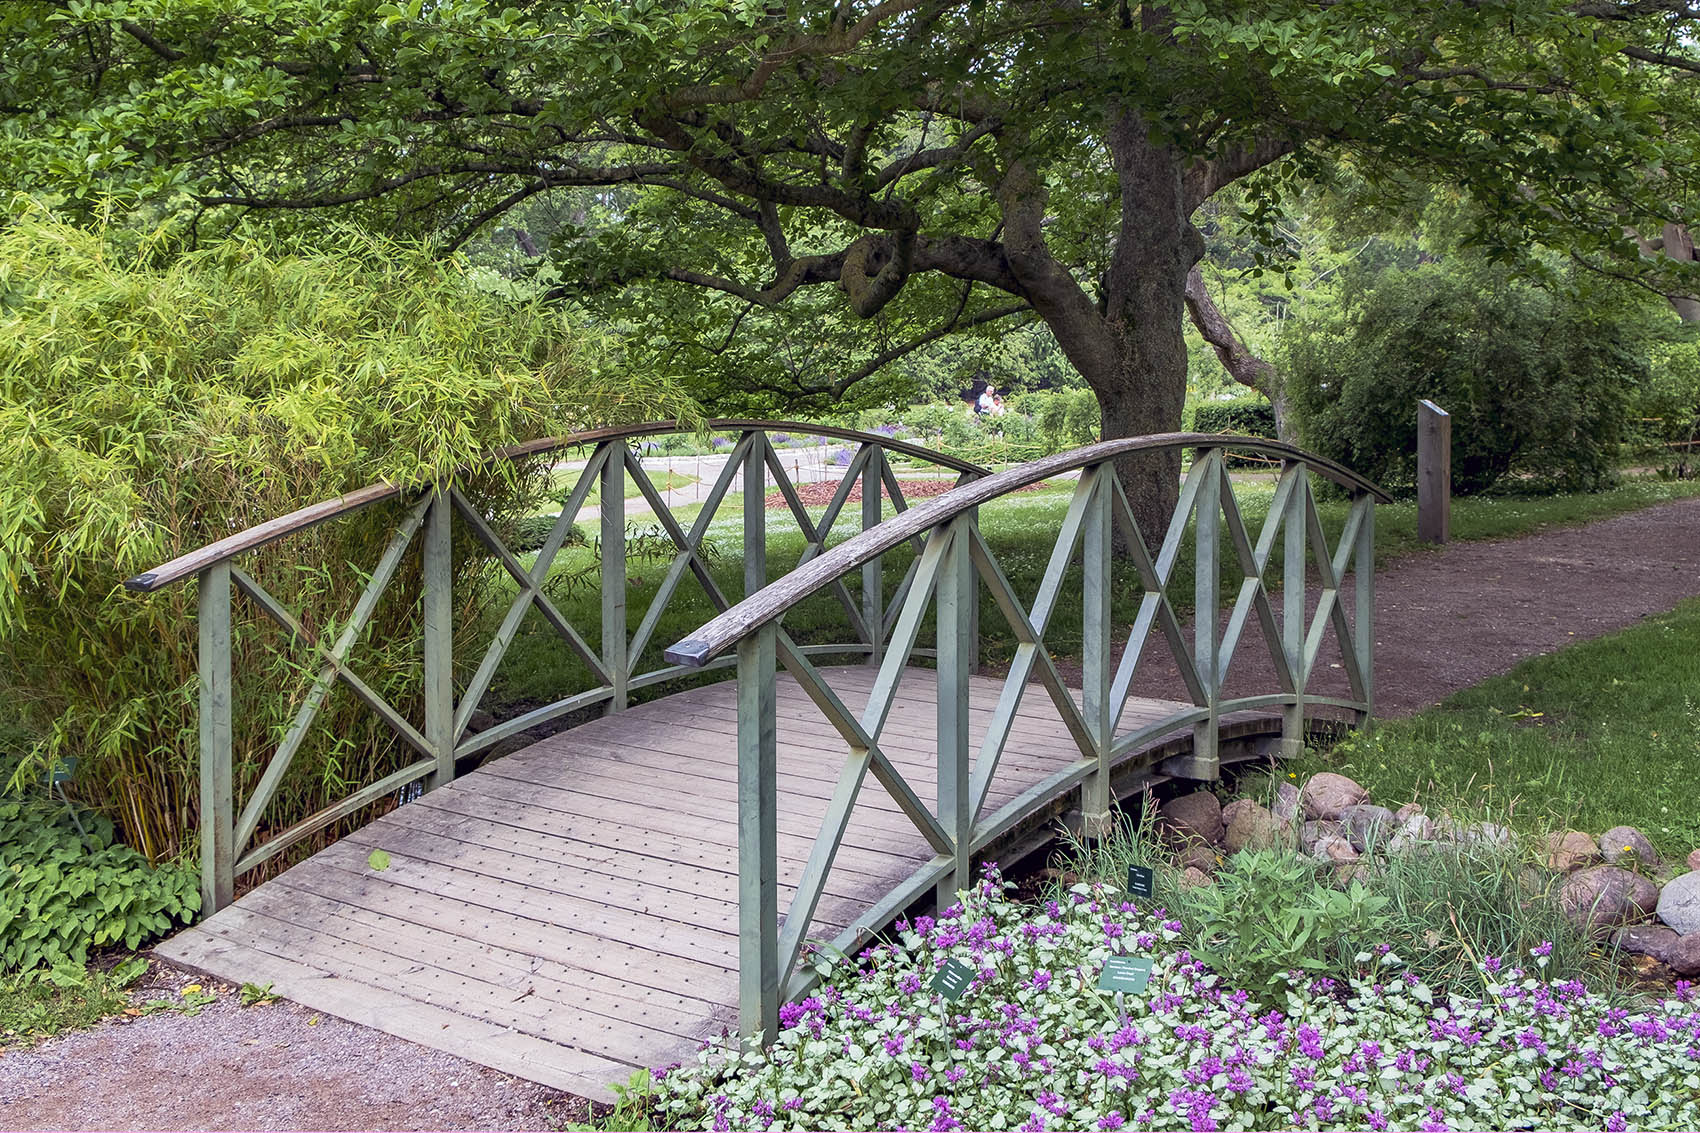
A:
[1032,1043]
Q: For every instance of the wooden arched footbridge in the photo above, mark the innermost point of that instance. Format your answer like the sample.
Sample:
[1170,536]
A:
[610,895]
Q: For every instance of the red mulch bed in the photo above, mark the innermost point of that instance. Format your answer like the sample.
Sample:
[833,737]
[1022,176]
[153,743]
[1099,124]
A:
[820,494]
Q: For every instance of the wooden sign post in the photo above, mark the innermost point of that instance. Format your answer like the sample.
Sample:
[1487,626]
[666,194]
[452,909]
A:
[1434,473]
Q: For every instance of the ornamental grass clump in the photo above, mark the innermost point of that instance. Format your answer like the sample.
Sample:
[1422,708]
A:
[154,399]
[1031,1044]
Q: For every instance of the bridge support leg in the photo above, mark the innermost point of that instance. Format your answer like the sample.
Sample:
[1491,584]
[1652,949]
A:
[956,651]
[758,839]
[1095,795]
[437,575]
[218,804]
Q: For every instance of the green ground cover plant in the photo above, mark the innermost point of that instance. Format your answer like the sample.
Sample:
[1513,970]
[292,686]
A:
[69,891]
[1600,734]
[36,1004]
[1033,1044]
[154,398]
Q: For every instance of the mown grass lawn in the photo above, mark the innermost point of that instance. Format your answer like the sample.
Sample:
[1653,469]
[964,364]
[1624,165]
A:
[1600,734]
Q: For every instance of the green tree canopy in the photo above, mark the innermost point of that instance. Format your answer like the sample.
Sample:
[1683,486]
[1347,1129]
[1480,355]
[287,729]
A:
[795,191]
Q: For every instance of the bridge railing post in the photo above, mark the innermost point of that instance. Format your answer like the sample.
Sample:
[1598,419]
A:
[218,803]
[1207,587]
[755,513]
[436,567]
[1294,563]
[956,593]
[612,510]
[1363,623]
[1096,669]
[873,571]
[758,856]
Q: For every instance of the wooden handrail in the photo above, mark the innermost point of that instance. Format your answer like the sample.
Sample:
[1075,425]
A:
[723,632]
[283,526]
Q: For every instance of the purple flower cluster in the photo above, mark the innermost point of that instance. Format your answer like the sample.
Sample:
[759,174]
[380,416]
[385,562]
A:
[1031,1044]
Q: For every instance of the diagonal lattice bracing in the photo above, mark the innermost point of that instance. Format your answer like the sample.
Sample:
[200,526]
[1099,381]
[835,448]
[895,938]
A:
[332,668]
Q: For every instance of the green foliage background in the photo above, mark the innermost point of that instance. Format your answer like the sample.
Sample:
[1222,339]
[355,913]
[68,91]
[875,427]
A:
[154,399]
[1537,379]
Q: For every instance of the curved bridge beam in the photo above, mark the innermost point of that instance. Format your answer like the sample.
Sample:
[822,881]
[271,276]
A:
[954,562]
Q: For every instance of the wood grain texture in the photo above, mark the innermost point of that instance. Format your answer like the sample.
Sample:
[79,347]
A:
[570,912]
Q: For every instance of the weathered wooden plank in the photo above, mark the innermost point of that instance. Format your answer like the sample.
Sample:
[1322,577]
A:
[514,1002]
[612,889]
[595,956]
[369,1005]
[700,846]
[563,984]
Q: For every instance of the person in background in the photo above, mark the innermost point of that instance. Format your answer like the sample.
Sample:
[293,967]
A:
[988,402]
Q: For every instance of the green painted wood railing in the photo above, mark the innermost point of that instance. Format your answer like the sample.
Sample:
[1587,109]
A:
[954,555]
[443,735]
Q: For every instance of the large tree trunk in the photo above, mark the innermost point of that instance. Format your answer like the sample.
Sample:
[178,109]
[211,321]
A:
[1144,303]
[1130,346]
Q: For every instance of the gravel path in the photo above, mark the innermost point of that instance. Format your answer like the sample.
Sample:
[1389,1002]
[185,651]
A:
[1445,620]
[275,1066]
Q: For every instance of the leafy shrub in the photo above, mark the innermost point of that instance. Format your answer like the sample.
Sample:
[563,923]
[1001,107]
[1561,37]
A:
[1066,418]
[65,893]
[1268,916]
[1536,382]
[527,533]
[193,394]
[1032,1044]
[1244,416]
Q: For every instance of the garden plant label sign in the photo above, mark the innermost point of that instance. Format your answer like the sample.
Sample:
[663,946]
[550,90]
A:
[1127,974]
[953,979]
[1139,881]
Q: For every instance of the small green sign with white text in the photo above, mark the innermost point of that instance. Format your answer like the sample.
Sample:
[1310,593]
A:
[1139,881]
[953,979]
[1129,974]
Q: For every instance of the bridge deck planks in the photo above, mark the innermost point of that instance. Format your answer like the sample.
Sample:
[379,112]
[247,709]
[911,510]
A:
[568,913]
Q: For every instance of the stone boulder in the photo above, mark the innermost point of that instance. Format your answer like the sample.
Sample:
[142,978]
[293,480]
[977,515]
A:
[1326,794]
[1286,806]
[1602,897]
[1253,827]
[1192,877]
[1415,831]
[1625,845]
[1694,860]
[1333,848]
[1199,856]
[1566,851]
[1367,825]
[1405,813]
[1486,834]
[1193,818]
[1312,833]
[1679,904]
[1684,955]
[1652,940]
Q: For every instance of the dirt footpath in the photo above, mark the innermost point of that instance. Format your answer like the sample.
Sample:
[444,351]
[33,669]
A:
[1445,620]
[276,1066]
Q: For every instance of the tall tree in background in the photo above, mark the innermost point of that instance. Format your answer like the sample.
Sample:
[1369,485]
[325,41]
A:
[912,168]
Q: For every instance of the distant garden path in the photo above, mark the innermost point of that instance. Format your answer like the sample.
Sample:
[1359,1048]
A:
[1452,617]
[1445,620]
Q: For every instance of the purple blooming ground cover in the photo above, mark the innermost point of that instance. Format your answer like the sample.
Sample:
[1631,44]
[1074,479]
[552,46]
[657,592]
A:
[1033,1045]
